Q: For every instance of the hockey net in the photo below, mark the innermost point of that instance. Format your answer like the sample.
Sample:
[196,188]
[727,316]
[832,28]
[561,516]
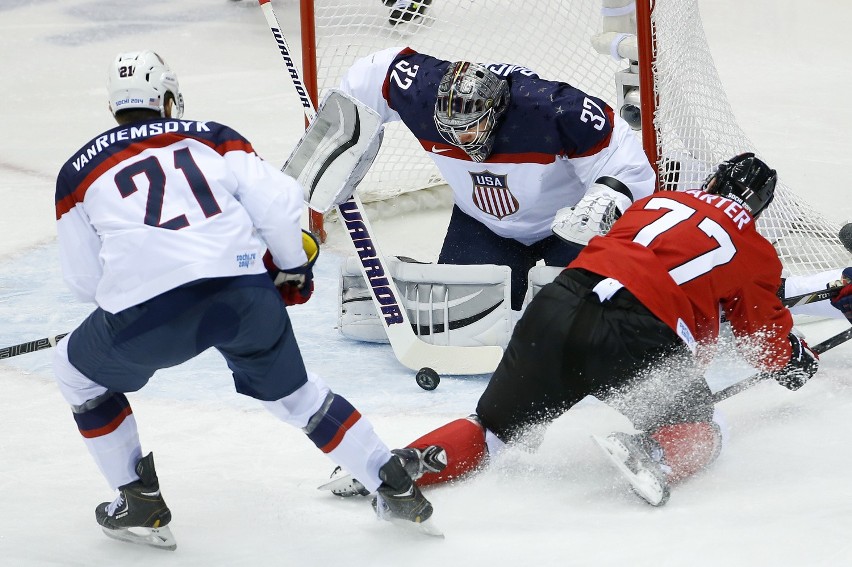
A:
[693,126]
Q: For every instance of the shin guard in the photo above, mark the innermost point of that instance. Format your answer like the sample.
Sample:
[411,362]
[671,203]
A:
[688,447]
[464,442]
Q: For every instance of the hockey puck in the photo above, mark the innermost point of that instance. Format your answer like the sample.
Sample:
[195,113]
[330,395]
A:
[845,236]
[427,378]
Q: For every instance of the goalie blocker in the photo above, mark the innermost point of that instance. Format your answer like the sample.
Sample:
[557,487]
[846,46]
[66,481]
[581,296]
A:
[335,151]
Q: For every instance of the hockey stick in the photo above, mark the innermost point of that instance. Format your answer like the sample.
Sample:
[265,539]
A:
[811,297]
[407,347]
[825,345]
[31,346]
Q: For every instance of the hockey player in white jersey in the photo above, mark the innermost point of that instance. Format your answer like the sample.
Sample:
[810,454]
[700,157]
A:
[164,224]
[514,148]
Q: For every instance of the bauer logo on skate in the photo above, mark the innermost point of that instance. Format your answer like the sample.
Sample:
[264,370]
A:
[491,194]
[372,265]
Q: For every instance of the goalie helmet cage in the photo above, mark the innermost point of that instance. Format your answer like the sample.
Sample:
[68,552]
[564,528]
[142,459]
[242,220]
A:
[688,124]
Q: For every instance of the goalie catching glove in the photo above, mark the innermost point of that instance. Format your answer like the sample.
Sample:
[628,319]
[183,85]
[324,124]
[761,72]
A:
[295,284]
[594,215]
[802,365]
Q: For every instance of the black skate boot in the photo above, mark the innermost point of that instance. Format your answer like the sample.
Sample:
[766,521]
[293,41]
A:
[417,462]
[639,458]
[139,514]
[406,10]
[399,499]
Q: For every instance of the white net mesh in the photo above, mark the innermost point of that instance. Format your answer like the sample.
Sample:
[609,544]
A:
[695,125]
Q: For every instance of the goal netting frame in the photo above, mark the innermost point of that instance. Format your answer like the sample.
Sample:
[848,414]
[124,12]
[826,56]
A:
[688,125]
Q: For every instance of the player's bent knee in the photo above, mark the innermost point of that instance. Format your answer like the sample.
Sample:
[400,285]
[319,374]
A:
[688,447]
[298,408]
[75,387]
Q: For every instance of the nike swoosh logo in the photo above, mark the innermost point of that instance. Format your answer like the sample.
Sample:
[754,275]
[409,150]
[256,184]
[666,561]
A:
[436,150]
[155,493]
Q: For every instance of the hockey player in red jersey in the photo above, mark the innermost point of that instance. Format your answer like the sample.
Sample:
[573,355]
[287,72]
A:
[633,321]
[164,223]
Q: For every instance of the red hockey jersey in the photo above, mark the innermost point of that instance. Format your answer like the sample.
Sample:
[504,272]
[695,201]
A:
[685,254]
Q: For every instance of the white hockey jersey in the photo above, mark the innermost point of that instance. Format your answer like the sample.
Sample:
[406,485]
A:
[147,207]
[552,144]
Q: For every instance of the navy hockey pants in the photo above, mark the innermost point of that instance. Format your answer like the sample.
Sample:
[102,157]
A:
[468,241]
[242,317]
[569,345]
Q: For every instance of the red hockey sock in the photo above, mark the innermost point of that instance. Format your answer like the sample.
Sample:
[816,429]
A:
[688,447]
[464,442]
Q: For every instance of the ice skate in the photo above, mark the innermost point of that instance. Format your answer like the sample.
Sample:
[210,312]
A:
[638,458]
[403,11]
[416,462]
[399,500]
[139,514]
[344,484]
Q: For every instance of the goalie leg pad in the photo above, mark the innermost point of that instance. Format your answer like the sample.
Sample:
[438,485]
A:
[538,277]
[446,304]
[464,442]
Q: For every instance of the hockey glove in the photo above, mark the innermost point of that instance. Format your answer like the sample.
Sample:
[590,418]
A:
[803,364]
[594,215]
[295,284]
[843,300]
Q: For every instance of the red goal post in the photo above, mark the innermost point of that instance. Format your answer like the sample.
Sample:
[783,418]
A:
[687,124]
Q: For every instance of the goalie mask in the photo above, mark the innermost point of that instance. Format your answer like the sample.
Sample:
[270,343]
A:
[746,180]
[471,100]
[141,80]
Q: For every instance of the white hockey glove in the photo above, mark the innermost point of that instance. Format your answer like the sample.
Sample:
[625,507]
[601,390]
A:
[594,215]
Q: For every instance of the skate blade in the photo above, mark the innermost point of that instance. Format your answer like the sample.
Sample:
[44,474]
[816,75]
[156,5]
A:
[161,538]
[644,484]
[427,528]
[342,486]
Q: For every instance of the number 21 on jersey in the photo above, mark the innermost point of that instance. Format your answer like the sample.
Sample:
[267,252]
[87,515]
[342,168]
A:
[157,178]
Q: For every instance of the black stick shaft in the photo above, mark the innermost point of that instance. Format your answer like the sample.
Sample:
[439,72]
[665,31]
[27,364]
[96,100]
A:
[825,345]
[31,346]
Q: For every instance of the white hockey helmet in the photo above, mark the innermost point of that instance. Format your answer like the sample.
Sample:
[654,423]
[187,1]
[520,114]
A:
[141,79]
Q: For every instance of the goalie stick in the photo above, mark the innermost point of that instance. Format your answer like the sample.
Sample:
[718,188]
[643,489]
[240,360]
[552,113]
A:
[743,385]
[407,347]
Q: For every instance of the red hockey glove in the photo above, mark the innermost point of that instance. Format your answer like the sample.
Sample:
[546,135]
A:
[803,364]
[843,300]
[296,285]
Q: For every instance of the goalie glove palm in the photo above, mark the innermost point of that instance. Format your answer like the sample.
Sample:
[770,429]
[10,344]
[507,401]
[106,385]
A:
[595,214]
[296,285]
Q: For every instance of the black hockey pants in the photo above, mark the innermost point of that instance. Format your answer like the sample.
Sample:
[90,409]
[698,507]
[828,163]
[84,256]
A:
[569,345]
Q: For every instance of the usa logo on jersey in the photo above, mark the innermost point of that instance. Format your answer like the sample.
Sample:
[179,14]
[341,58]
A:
[491,194]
